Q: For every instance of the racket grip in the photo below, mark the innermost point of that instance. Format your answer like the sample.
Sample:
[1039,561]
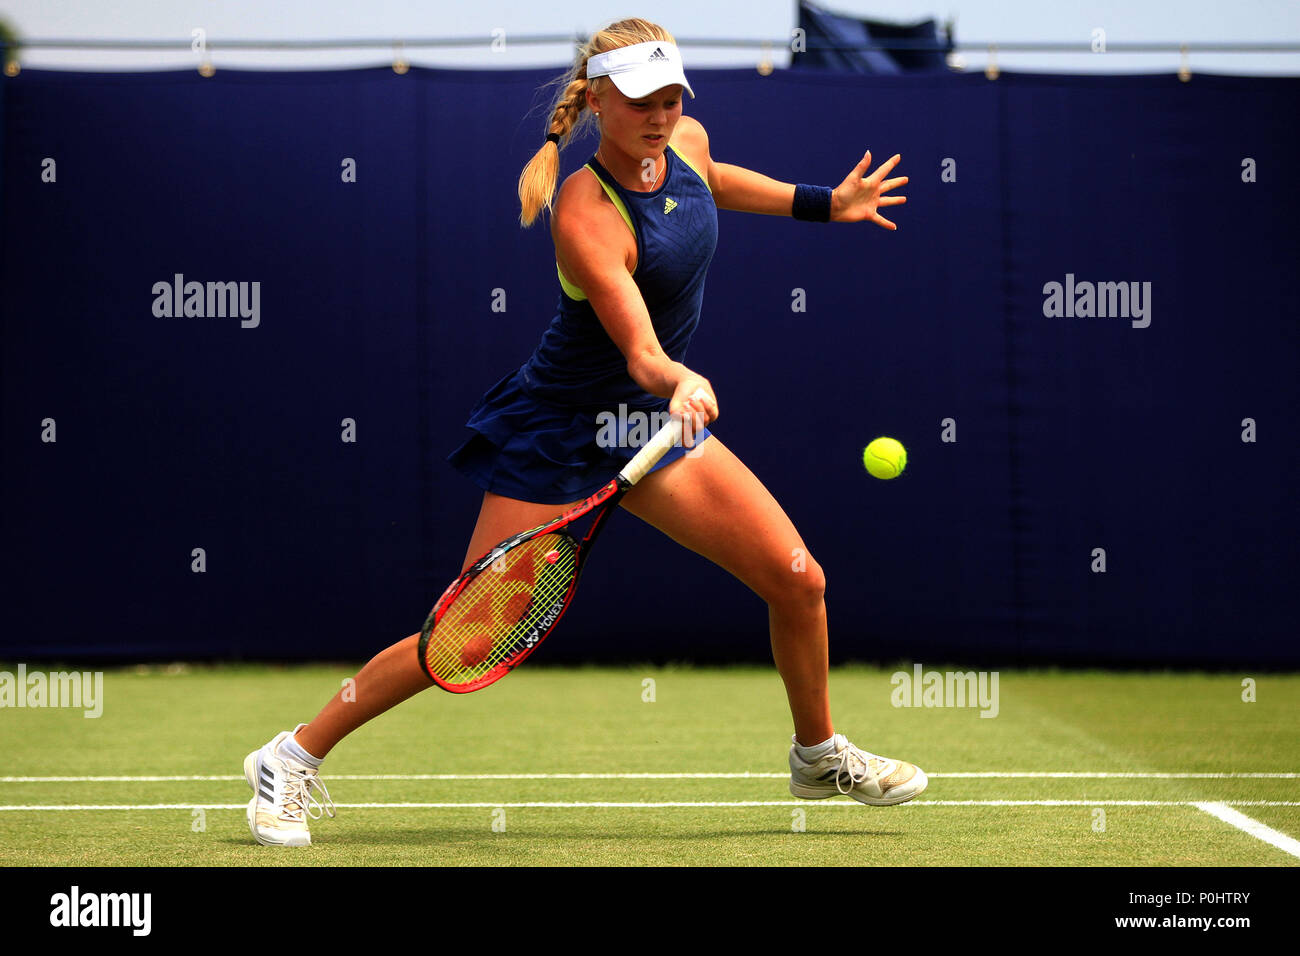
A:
[656,447]
[653,450]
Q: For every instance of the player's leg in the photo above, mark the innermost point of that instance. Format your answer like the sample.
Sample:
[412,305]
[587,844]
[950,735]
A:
[394,674]
[715,506]
[283,772]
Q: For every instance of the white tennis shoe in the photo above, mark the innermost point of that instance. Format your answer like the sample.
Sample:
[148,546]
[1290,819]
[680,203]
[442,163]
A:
[286,794]
[866,777]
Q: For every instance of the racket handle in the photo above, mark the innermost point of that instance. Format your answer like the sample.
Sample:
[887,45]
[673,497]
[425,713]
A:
[655,448]
[652,451]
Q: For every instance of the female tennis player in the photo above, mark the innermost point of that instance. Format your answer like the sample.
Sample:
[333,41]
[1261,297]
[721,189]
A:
[634,232]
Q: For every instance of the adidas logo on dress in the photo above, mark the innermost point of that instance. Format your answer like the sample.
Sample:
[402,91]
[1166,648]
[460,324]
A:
[669,205]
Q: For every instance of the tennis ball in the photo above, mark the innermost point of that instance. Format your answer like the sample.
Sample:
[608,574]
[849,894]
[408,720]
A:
[885,458]
[476,650]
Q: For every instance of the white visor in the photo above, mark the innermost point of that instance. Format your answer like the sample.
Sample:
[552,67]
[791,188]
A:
[640,69]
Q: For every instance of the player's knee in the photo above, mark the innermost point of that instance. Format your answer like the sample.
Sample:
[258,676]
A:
[813,588]
[802,583]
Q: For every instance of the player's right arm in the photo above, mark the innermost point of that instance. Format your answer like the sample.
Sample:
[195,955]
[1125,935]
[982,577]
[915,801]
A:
[594,249]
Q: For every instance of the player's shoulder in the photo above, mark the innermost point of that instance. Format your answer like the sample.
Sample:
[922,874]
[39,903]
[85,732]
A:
[585,225]
[580,184]
[581,202]
[692,143]
[690,130]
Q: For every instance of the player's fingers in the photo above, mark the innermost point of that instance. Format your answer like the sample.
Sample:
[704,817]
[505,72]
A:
[885,167]
[691,425]
[889,184]
[881,220]
[891,200]
[682,406]
[704,402]
[686,412]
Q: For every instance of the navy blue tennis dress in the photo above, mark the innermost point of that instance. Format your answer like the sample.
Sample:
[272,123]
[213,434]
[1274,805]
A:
[537,434]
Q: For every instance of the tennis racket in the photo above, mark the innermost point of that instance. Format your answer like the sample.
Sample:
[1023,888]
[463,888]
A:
[506,603]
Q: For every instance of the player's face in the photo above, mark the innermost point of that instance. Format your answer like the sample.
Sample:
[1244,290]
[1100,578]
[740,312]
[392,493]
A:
[640,127]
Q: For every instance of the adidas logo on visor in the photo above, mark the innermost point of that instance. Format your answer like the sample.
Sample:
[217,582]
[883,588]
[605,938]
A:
[658,54]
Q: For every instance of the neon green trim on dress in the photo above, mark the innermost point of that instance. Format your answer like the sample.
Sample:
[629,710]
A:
[682,157]
[571,290]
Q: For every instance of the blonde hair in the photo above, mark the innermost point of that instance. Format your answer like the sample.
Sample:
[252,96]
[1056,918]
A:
[538,180]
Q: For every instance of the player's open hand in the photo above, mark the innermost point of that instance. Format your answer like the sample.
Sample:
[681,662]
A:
[860,199]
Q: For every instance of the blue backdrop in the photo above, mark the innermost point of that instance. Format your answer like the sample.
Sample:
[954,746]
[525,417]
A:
[1073,433]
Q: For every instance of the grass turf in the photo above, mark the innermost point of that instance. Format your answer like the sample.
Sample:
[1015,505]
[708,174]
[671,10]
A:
[189,720]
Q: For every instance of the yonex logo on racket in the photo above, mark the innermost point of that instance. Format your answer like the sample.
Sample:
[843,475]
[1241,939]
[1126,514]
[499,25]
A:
[551,614]
[549,618]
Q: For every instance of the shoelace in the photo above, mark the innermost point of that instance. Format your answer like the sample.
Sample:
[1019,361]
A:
[300,790]
[850,757]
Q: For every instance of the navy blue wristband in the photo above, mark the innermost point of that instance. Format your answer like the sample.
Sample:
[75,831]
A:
[812,203]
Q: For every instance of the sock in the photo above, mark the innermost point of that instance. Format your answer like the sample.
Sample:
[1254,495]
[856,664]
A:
[816,751]
[291,748]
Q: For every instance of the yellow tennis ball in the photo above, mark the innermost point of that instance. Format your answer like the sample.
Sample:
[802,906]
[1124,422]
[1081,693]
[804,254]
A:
[885,458]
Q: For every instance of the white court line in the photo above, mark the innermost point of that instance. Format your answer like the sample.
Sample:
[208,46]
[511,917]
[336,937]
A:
[981,775]
[710,803]
[1256,829]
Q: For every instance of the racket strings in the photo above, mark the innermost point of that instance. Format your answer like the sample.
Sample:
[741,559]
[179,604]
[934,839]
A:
[491,619]
[505,632]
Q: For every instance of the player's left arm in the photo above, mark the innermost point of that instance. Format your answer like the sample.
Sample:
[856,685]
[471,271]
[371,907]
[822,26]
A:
[859,198]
